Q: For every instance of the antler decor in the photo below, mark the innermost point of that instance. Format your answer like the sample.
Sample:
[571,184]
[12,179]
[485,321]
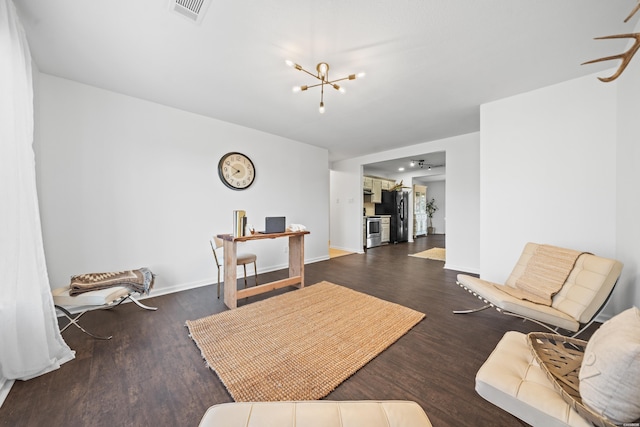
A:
[398,187]
[626,56]
[633,12]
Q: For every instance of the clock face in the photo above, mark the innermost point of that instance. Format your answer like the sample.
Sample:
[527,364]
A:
[236,171]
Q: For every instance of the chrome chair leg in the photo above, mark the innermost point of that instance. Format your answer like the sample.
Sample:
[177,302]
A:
[74,321]
[141,305]
[473,310]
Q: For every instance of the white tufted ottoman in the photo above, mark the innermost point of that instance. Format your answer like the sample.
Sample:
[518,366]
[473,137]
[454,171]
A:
[317,413]
[512,380]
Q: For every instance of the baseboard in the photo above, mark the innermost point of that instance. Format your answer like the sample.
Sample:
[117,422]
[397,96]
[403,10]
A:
[5,387]
[157,292]
[461,268]
[212,280]
[341,248]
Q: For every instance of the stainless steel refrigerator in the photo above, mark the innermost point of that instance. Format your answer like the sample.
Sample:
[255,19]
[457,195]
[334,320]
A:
[396,204]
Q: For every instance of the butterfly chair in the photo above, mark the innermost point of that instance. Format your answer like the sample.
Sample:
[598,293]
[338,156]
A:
[584,294]
[242,259]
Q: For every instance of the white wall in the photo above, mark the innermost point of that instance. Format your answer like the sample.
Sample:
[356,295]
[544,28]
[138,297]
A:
[628,195]
[462,196]
[346,201]
[125,183]
[437,190]
[548,172]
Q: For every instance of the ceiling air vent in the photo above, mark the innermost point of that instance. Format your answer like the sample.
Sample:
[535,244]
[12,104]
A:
[191,9]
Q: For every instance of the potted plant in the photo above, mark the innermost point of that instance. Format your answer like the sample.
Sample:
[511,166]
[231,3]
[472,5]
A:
[431,208]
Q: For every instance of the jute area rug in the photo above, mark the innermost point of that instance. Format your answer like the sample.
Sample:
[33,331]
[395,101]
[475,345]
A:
[300,345]
[438,254]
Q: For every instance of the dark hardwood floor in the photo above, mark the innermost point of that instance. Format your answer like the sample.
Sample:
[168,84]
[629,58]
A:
[152,374]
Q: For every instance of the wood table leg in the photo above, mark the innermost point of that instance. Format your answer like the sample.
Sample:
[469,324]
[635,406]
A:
[296,266]
[230,273]
[296,258]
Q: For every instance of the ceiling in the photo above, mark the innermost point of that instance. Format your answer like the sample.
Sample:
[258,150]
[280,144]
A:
[429,64]
[433,168]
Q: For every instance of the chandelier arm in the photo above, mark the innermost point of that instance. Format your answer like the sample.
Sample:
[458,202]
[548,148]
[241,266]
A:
[311,74]
[316,85]
[339,80]
[326,82]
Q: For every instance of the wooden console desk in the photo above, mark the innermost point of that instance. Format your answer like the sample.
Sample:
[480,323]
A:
[296,265]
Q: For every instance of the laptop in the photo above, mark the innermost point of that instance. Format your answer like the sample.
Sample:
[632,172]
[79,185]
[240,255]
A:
[274,224]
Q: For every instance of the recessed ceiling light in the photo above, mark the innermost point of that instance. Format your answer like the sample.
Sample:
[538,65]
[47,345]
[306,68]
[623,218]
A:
[400,169]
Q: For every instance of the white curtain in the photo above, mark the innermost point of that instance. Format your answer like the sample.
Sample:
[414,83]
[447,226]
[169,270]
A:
[30,342]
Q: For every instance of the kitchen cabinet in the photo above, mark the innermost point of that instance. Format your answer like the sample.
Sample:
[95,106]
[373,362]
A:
[376,197]
[419,224]
[385,226]
[367,183]
[364,232]
[376,186]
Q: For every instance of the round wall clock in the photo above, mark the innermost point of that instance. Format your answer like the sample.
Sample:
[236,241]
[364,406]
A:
[236,171]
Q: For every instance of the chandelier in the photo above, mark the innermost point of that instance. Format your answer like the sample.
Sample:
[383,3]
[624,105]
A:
[323,75]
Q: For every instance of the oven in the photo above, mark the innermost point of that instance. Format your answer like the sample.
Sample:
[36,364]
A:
[373,231]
